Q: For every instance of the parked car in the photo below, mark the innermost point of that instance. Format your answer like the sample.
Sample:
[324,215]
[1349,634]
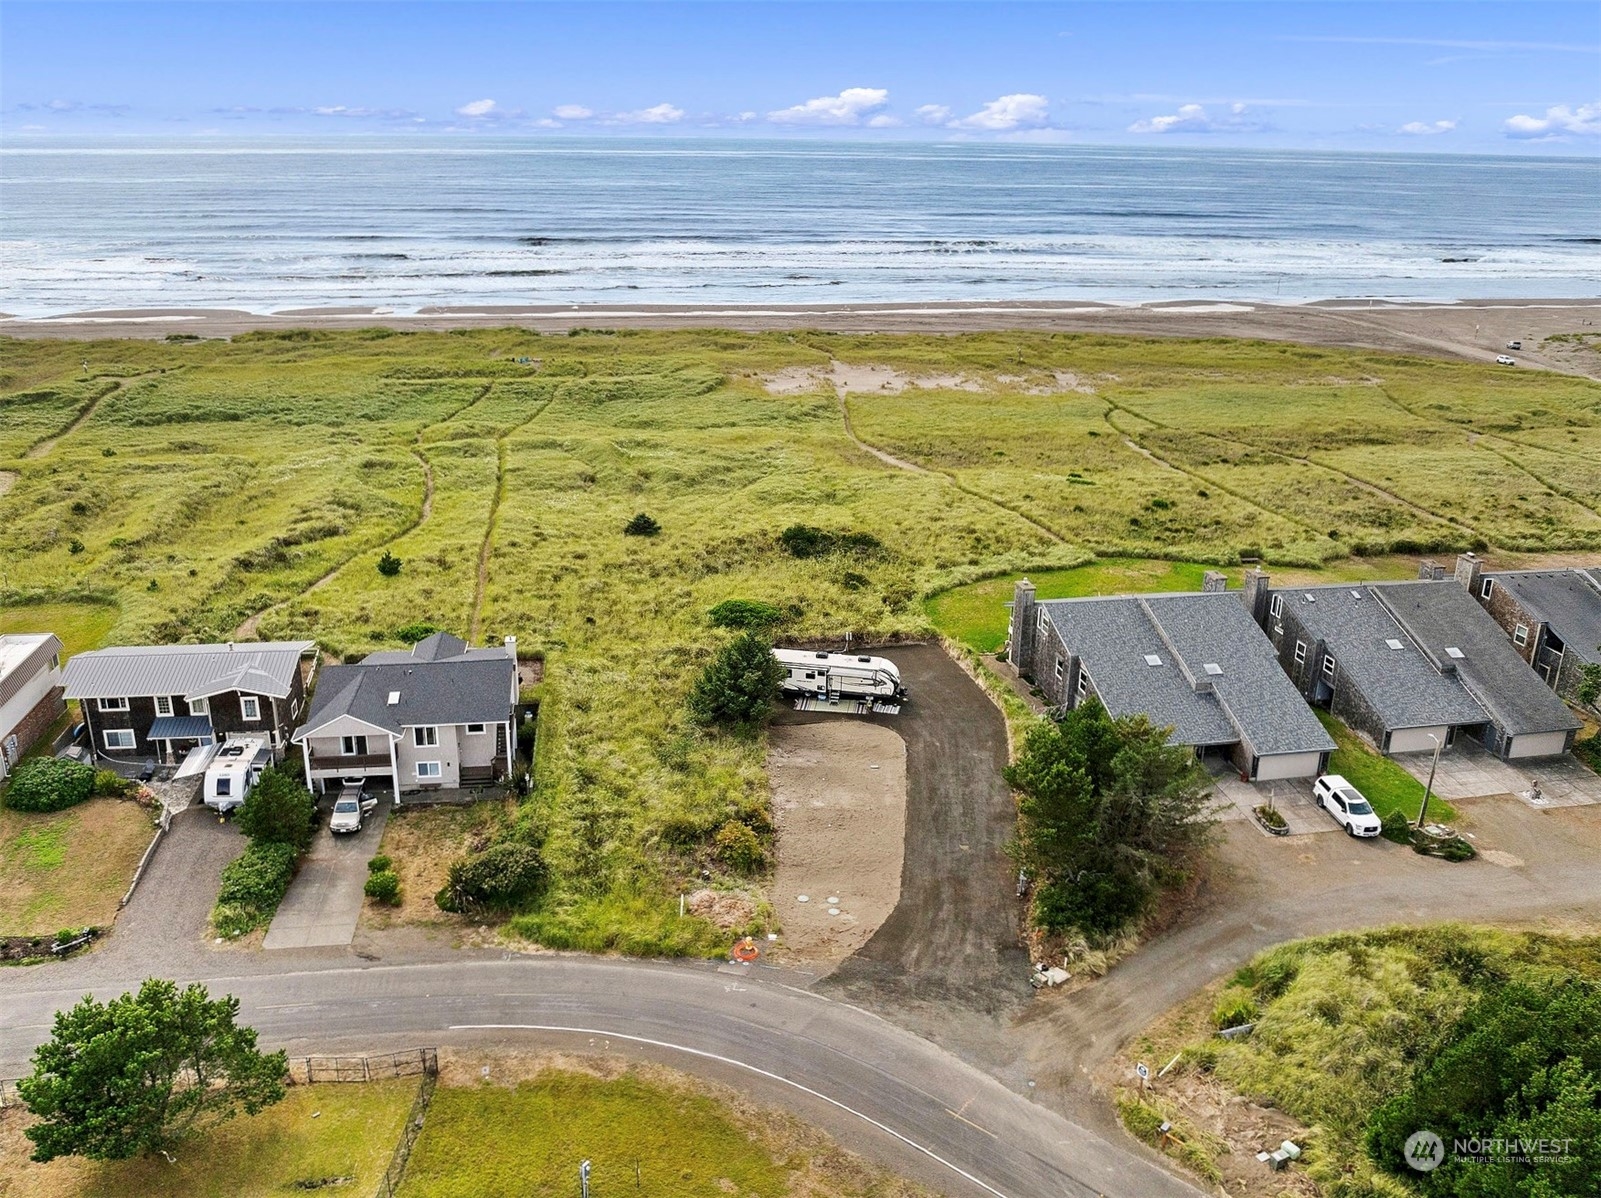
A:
[1503,360]
[1514,345]
[1346,804]
[350,808]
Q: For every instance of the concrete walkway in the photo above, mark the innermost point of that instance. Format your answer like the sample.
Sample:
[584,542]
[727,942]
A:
[324,901]
[1291,797]
[1467,771]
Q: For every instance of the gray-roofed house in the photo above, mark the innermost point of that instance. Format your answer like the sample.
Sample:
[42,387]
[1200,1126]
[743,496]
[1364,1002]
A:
[436,716]
[1552,618]
[163,700]
[1195,663]
[1409,665]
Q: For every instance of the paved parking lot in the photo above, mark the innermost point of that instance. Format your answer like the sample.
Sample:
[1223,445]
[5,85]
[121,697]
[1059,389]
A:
[1293,799]
[324,900]
[1467,771]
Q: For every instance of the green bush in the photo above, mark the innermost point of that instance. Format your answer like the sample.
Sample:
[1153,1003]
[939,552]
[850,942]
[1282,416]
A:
[389,564]
[383,886]
[49,784]
[739,684]
[499,877]
[641,526]
[805,540]
[421,630]
[738,848]
[253,884]
[744,613]
[278,810]
[1235,1007]
[108,784]
[1396,827]
[379,864]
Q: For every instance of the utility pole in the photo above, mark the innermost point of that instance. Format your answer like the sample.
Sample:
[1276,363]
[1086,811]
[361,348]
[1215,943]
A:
[1434,765]
[583,1179]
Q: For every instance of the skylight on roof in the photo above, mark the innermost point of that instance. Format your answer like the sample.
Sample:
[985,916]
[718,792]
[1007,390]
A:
[1152,659]
[1356,594]
[1393,643]
[1453,651]
[1212,667]
[394,697]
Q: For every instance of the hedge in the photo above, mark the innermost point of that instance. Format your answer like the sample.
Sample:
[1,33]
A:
[253,884]
[49,784]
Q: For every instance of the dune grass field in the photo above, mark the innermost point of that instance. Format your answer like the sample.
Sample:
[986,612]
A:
[208,490]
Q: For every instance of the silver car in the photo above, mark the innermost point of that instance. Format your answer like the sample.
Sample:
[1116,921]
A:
[350,808]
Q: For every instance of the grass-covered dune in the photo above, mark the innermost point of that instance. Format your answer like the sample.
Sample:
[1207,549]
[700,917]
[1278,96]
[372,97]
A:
[202,490]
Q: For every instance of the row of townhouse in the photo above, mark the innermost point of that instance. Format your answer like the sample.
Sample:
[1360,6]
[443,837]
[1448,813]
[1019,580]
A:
[1410,665]
[439,715]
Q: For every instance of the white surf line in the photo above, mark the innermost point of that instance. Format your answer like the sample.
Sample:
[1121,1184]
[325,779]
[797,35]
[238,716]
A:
[712,1056]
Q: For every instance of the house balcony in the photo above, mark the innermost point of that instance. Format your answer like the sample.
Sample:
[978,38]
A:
[348,763]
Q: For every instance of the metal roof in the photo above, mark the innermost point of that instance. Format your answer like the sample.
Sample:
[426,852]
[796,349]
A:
[192,671]
[180,727]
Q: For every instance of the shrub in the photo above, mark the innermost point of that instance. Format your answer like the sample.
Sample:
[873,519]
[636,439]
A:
[1396,827]
[278,810]
[641,526]
[1235,1007]
[500,876]
[419,630]
[379,864]
[388,564]
[738,685]
[108,784]
[805,540]
[744,613]
[738,848]
[49,784]
[75,546]
[253,884]
[383,886]
[1271,816]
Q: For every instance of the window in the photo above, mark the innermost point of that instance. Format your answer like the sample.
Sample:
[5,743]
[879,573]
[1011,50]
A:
[428,769]
[1521,636]
[353,746]
[1328,665]
[224,787]
[1300,652]
[249,707]
[475,729]
[1276,606]
[163,704]
[1039,622]
[1486,587]
[119,738]
[1083,684]
[199,707]
[112,704]
[425,736]
[1058,669]
[55,661]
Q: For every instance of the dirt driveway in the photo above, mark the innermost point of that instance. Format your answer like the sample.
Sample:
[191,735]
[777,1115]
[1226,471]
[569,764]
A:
[952,939]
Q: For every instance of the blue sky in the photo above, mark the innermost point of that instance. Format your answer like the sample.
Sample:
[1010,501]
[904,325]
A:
[1464,77]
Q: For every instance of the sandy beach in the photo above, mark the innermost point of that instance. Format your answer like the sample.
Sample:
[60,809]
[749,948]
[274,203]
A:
[1474,329]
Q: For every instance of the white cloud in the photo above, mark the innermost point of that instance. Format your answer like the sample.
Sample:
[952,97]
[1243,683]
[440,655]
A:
[933,114]
[847,108]
[884,121]
[478,108]
[1559,121]
[572,112]
[1194,118]
[545,122]
[658,114]
[1019,111]
[1426,128]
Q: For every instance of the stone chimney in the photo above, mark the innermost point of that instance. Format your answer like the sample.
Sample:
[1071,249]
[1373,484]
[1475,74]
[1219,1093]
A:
[1468,570]
[1021,649]
[1430,570]
[1214,582]
[1255,596]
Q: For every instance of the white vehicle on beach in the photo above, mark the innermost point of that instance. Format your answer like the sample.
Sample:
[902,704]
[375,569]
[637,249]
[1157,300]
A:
[839,675]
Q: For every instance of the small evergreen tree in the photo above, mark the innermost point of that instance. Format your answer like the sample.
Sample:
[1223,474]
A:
[738,685]
[641,526]
[388,564]
[278,810]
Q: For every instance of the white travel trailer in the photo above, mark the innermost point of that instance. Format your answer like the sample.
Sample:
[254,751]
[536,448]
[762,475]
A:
[233,771]
[839,675]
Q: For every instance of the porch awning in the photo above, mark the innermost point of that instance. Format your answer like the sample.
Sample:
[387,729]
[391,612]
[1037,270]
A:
[181,727]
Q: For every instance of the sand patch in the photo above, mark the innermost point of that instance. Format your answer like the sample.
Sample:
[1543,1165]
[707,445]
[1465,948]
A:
[848,379]
[839,803]
[8,479]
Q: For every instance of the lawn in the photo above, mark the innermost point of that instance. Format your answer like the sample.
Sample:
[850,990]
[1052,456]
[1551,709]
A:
[645,1130]
[79,625]
[68,869]
[317,1133]
[221,481]
[1387,786]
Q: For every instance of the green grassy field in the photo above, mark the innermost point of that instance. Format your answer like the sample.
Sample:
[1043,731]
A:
[1385,784]
[208,490]
[278,1152]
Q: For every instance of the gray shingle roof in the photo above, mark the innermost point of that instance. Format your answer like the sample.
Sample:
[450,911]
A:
[1441,616]
[1402,685]
[1568,600]
[1114,636]
[263,668]
[474,687]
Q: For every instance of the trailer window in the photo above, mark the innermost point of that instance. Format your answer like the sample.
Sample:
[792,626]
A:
[224,787]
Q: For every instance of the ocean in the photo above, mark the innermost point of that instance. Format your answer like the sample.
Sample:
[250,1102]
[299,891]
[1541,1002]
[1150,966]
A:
[401,224]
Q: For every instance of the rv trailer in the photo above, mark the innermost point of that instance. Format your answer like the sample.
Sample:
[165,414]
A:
[839,675]
[233,771]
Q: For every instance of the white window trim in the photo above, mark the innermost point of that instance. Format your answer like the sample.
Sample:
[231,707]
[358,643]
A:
[164,705]
[1521,636]
[477,729]
[250,709]
[1300,653]
[1039,621]
[1328,665]
[1486,587]
[436,772]
[1083,682]
[1275,605]
[119,733]
[425,736]
[1060,669]
[111,704]
[200,706]
[354,750]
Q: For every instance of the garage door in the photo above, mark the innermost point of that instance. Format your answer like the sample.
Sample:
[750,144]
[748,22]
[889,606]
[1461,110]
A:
[1287,765]
[1415,740]
[1539,744]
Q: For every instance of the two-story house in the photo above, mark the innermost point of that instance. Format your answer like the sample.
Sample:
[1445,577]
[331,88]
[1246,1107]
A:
[433,717]
[163,700]
[30,692]
[1552,618]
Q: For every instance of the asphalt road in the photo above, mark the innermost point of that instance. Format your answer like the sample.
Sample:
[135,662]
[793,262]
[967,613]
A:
[884,1092]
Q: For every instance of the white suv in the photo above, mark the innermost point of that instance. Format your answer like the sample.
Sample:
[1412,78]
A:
[1346,804]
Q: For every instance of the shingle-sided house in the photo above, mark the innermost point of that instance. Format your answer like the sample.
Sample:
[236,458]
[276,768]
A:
[1552,618]
[1194,663]
[436,716]
[30,692]
[163,700]
[1410,664]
